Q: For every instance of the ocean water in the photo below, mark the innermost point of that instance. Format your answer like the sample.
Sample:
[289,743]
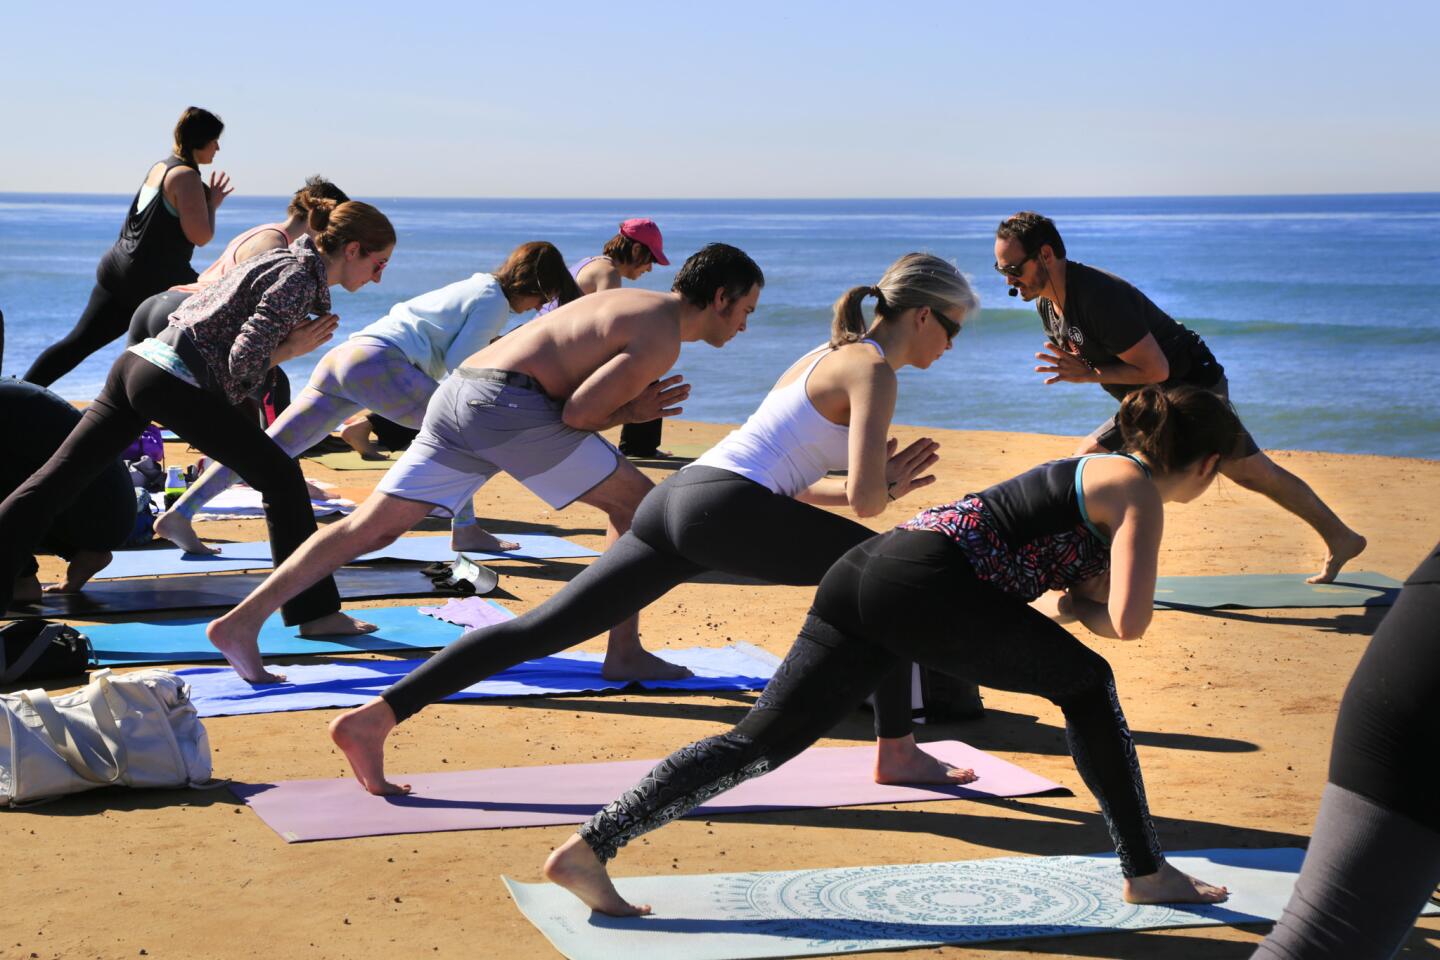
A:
[1323,309]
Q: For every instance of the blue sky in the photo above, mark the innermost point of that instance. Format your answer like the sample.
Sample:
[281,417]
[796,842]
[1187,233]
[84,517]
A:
[741,99]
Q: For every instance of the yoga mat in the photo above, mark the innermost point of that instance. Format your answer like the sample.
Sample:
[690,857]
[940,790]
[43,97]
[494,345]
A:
[219,692]
[240,502]
[200,591]
[302,810]
[183,640]
[1356,588]
[799,913]
[473,612]
[351,460]
[159,561]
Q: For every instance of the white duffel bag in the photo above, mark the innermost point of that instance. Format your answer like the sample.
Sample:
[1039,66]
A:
[136,730]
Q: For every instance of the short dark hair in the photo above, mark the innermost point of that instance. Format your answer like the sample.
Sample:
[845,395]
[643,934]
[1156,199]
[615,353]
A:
[196,127]
[1033,231]
[631,253]
[716,266]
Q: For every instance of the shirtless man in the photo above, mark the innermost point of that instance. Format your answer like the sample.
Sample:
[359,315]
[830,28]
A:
[531,404]
[1103,330]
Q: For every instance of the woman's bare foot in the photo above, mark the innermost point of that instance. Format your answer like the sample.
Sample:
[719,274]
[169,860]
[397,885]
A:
[900,760]
[1168,885]
[318,490]
[241,649]
[575,867]
[178,530]
[337,624]
[640,664]
[1338,553]
[27,589]
[360,734]
[84,565]
[472,537]
[357,434]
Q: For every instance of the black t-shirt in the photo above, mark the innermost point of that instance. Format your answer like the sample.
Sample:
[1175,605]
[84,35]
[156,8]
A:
[1105,316]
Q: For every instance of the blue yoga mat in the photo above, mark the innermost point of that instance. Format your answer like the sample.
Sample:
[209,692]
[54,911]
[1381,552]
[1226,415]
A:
[156,562]
[730,916]
[1277,591]
[183,641]
[219,692]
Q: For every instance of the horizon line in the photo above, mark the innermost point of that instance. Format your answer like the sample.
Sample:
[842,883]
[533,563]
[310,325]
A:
[1028,197]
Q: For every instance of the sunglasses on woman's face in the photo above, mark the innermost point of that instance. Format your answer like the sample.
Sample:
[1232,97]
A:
[1013,269]
[951,328]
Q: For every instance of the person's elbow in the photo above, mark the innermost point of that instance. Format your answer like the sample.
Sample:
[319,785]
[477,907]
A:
[1157,370]
[577,417]
[1131,625]
[198,235]
[866,505]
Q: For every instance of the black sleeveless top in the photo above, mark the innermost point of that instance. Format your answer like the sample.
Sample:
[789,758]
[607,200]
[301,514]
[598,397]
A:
[152,250]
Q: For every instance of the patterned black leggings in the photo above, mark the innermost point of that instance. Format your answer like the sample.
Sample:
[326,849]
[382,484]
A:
[906,594]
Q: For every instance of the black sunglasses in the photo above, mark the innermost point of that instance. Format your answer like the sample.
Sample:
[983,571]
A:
[1014,269]
[951,328]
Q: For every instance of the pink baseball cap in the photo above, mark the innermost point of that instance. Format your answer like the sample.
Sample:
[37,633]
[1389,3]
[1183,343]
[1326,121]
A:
[643,231]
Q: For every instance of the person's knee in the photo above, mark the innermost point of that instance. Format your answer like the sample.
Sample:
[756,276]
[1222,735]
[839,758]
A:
[1087,676]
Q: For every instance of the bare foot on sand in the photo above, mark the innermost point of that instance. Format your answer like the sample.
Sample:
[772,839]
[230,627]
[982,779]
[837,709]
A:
[26,589]
[1168,885]
[357,434]
[1338,553]
[575,867]
[84,565]
[337,624]
[900,760]
[360,734]
[472,537]
[638,664]
[241,649]
[177,529]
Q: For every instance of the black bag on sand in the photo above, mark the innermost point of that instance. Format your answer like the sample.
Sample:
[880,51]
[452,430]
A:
[40,650]
[941,697]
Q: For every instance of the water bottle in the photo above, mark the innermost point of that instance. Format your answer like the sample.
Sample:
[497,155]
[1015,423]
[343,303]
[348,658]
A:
[174,486]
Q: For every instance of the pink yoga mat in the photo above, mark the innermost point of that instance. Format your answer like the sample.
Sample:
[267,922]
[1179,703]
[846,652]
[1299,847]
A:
[302,810]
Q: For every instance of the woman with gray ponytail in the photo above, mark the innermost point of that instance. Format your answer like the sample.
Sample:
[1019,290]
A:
[951,589]
[749,506]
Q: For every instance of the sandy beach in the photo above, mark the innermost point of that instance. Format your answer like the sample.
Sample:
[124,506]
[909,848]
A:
[1232,711]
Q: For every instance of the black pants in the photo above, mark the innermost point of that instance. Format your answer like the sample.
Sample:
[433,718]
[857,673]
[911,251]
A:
[153,315]
[137,392]
[700,519]
[640,439]
[106,316]
[905,594]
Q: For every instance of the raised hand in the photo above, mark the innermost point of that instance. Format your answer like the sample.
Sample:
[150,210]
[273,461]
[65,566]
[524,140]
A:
[905,470]
[657,400]
[219,188]
[1064,366]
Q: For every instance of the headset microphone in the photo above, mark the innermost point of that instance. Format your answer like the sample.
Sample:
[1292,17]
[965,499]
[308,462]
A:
[1013,292]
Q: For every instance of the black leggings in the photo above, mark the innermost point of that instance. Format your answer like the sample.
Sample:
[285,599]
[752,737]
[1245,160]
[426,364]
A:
[153,315]
[107,316]
[700,519]
[137,392]
[905,594]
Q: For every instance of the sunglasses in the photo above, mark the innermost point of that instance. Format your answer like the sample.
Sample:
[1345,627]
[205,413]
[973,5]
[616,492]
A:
[951,328]
[1013,269]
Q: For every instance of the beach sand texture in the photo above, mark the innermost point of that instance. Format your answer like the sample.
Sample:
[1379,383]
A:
[1232,711]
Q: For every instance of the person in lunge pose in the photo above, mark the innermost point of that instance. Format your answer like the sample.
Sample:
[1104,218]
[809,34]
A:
[393,367]
[215,350]
[172,213]
[530,404]
[1374,858]
[951,590]
[748,506]
[1103,330]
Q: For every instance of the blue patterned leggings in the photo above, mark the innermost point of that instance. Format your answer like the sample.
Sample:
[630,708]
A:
[905,594]
[359,373]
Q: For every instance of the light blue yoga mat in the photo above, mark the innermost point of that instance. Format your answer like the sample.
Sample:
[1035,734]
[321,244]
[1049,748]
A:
[219,691]
[1357,588]
[256,556]
[729,916]
[183,641]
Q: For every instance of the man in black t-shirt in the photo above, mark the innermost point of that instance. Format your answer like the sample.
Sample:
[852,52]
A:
[1103,330]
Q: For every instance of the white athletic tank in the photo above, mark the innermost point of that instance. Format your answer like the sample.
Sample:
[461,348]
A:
[786,445]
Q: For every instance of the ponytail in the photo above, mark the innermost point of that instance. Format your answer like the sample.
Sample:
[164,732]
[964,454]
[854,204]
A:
[538,269]
[354,221]
[316,200]
[1174,427]
[848,324]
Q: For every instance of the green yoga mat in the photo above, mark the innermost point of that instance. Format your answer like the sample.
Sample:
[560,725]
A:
[351,460]
[1277,591]
[805,913]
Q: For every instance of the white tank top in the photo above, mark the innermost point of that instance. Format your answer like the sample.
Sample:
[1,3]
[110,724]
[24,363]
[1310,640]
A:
[786,445]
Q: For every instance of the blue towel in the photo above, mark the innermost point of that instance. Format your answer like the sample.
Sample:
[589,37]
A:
[219,692]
